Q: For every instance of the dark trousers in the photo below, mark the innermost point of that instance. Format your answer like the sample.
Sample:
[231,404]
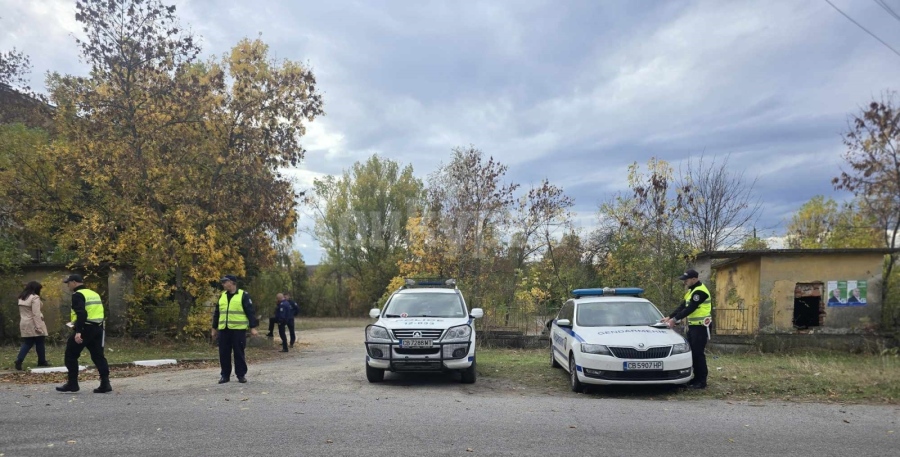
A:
[284,343]
[232,341]
[33,341]
[697,338]
[92,339]
[290,324]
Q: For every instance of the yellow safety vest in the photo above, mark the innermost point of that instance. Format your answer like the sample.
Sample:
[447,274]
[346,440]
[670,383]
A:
[92,304]
[231,313]
[703,311]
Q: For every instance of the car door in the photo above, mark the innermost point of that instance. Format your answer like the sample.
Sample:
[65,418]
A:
[561,338]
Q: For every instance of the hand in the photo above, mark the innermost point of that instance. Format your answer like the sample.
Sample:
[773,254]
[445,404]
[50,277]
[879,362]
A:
[78,338]
[253,332]
[671,323]
[214,333]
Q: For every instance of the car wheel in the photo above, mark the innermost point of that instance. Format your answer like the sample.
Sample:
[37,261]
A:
[553,362]
[468,375]
[574,383]
[374,374]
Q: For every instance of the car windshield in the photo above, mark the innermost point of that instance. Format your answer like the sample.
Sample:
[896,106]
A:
[614,314]
[425,305]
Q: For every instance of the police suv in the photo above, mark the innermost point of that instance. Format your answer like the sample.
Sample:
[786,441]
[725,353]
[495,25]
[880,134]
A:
[424,326]
[612,336]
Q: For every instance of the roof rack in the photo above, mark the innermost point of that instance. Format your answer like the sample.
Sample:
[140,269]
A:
[414,283]
[607,291]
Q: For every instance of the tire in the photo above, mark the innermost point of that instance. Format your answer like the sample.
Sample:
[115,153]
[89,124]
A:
[553,362]
[574,383]
[374,374]
[468,375]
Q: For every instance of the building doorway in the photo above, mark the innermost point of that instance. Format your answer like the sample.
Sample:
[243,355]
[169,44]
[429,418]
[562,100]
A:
[809,308]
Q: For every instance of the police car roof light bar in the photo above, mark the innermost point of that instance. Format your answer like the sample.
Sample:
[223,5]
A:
[429,282]
[607,291]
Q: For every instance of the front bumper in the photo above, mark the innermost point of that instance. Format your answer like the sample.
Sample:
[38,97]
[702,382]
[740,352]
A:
[608,370]
[390,356]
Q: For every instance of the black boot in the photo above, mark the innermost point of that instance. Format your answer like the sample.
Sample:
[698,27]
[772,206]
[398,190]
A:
[68,387]
[104,386]
[19,365]
[44,364]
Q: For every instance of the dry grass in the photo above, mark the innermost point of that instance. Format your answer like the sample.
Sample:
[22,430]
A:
[816,376]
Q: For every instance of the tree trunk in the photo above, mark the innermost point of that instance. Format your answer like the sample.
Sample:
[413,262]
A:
[185,300]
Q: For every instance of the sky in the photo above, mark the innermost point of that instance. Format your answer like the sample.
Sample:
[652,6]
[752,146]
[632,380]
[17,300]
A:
[571,91]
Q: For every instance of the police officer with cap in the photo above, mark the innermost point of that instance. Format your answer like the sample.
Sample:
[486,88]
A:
[697,308]
[87,323]
[231,319]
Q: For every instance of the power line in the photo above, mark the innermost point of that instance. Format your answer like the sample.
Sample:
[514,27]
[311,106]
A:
[883,4]
[865,29]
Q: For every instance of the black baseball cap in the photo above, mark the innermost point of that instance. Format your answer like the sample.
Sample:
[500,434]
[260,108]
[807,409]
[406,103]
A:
[689,274]
[231,278]
[75,278]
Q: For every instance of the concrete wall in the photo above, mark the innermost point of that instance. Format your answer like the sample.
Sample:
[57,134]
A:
[779,277]
[736,297]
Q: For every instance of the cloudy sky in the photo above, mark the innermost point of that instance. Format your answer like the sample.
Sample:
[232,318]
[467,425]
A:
[573,91]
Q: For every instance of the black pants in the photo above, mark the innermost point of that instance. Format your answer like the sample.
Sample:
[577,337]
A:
[272,322]
[33,341]
[284,344]
[290,324]
[92,339]
[697,338]
[232,341]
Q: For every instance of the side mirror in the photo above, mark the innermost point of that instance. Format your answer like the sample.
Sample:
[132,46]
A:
[477,313]
[374,313]
[563,323]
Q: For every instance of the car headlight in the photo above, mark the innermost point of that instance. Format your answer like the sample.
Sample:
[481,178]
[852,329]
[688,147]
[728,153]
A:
[680,348]
[374,332]
[458,333]
[595,349]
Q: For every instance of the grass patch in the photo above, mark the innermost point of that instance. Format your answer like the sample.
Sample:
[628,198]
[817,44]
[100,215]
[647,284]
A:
[122,350]
[815,376]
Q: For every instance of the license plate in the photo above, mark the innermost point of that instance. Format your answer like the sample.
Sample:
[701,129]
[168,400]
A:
[657,365]
[415,343]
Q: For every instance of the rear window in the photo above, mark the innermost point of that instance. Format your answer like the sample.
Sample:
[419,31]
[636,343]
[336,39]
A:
[425,305]
[615,314]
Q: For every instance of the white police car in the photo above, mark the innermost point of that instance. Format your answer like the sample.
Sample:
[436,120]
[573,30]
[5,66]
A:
[612,336]
[425,326]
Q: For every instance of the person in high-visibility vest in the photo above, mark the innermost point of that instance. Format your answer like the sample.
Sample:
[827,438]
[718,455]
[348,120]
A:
[232,316]
[87,332]
[697,309]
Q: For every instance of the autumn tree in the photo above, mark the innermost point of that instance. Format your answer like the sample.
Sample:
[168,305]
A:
[639,242]
[810,226]
[361,223]
[467,209]
[175,162]
[873,176]
[722,204]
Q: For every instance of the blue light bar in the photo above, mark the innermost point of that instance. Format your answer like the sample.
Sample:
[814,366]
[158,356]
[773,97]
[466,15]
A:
[607,291]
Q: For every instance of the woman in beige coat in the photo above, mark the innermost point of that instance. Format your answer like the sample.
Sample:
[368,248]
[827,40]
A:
[31,324]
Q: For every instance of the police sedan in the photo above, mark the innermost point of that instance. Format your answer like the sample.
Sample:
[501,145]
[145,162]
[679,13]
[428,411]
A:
[612,336]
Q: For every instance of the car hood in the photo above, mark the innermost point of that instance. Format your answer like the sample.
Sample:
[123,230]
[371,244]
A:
[630,336]
[422,322]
